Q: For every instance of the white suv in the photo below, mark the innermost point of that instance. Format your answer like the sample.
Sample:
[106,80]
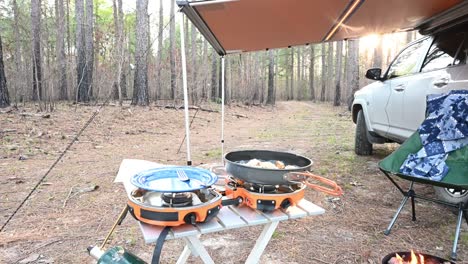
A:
[393,107]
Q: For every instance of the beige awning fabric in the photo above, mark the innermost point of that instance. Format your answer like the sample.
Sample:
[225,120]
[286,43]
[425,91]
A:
[376,16]
[251,25]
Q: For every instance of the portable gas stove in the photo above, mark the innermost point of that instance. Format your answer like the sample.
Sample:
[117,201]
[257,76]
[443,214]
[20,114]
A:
[272,187]
[263,197]
[173,196]
[173,209]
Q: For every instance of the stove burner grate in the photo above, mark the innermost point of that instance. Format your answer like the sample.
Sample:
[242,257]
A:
[270,189]
[176,199]
[259,188]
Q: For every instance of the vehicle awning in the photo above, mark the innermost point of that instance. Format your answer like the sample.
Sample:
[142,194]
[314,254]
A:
[250,25]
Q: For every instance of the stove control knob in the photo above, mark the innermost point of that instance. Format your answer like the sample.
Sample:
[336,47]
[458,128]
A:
[190,219]
[285,204]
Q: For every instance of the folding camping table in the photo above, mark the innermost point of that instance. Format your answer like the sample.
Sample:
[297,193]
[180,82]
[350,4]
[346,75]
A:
[229,217]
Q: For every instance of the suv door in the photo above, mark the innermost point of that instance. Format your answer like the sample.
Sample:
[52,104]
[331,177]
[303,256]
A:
[444,68]
[401,74]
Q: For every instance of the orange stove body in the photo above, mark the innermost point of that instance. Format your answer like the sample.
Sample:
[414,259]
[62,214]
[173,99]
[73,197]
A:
[265,201]
[174,216]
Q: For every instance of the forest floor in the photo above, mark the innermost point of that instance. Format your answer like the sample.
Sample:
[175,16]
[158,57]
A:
[67,213]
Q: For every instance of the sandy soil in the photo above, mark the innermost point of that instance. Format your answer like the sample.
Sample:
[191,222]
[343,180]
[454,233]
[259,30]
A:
[63,217]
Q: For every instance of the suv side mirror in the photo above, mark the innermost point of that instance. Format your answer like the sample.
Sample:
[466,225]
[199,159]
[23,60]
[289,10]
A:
[374,74]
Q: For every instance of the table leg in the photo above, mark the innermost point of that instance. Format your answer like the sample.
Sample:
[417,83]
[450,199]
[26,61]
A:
[262,242]
[197,248]
[184,256]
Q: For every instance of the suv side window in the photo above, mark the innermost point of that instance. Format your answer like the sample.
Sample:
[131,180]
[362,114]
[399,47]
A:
[444,52]
[407,61]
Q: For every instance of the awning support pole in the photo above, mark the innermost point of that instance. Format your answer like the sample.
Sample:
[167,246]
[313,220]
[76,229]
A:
[222,109]
[184,83]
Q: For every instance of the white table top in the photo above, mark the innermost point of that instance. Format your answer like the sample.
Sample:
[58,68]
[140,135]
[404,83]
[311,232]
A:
[228,217]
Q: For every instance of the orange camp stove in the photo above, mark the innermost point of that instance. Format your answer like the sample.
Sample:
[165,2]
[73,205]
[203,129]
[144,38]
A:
[174,209]
[173,196]
[264,197]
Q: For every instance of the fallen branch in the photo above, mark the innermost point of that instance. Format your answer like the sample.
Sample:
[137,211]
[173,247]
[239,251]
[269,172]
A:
[33,114]
[71,194]
[8,130]
[191,108]
[240,115]
[68,197]
[36,249]
[208,110]
[319,260]
[8,110]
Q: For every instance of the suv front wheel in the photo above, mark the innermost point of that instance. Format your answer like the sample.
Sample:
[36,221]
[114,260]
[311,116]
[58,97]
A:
[362,146]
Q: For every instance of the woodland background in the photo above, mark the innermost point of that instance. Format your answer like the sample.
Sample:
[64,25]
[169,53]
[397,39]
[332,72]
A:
[95,50]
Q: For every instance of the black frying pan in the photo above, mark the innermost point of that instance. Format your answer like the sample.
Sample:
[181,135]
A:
[260,175]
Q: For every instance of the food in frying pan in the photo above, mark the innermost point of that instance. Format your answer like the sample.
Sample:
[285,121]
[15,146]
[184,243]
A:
[268,164]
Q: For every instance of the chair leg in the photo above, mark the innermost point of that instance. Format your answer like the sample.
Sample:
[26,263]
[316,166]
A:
[389,228]
[413,208]
[457,231]
[465,214]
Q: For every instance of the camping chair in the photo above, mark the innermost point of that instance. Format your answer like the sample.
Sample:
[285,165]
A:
[457,178]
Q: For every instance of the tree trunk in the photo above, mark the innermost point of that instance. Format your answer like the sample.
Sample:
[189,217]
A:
[140,94]
[62,61]
[172,52]
[344,78]
[263,78]
[89,42]
[353,66]
[324,74]
[194,63]
[330,71]
[19,76]
[220,70]
[117,92]
[159,54]
[311,73]
[378,53]
[204,62]
[299,74]
[67,7]
[275,70]
[119,53]
[95,88]
[287,86]
[46,51]
[227,94]
[409,36]
[271,77]
[124,61]
[339,51]
[214,75]
[36,49]
[291,89]
[81,71]
[69,51]
[4,96]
